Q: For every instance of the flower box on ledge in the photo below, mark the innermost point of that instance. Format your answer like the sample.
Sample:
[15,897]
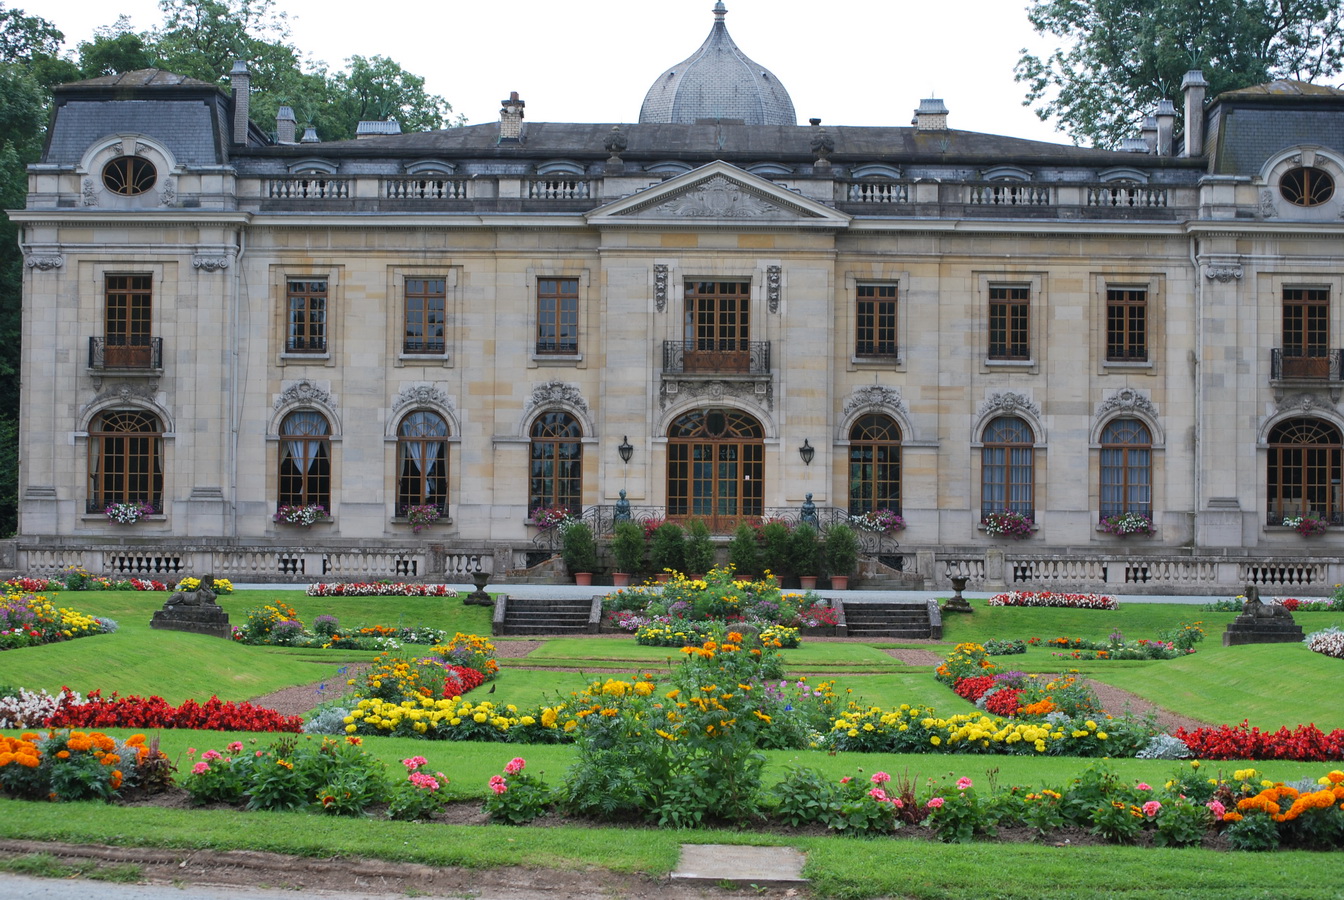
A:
[1008,524]
[303,516]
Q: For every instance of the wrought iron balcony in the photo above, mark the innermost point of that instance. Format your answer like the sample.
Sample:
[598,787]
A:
[731,357]
[122,352]
[886,349]
[423,345]
[1279,515]
[306,345]
[1305,364]
[564,347]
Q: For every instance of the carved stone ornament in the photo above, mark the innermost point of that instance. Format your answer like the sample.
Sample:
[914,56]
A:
[45,262]
[1304,403]
[1126,400]
[89,191]
[875,396]
[553,392]
[1223,273]
[823,145]
[660,287]
[210,263]
[305,392]
[1009,403]
[143,391]
[718,198]
[168,196]
[1267,208]
[615,144]
[760,394]
[421,395]
[774,276]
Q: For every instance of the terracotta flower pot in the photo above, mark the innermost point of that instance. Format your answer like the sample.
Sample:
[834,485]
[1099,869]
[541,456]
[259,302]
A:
[807,582]
[583,579]
[620,579]
[839,582]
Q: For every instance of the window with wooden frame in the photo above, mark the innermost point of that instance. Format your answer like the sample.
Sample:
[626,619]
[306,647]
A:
[716,467]
[557,316]
[422,462]
[556,467]
[128,321]
[876,321]
[1009,322]
[1126,324]
[874,465]
[125,460]
[305,460]
[1007,468]
[1306,332]
[1303,471]
[306,315]
[425,316]
[717,326]
[1126,469]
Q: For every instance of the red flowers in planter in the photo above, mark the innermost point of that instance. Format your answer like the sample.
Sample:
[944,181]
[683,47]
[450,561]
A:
[973,689]
[1305,743]
[155,712]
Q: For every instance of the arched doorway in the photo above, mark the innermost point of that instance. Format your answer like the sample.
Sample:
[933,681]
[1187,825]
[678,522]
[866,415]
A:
[715,467]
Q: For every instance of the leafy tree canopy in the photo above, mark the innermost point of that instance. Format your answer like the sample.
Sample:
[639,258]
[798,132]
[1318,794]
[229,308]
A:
[1120,57]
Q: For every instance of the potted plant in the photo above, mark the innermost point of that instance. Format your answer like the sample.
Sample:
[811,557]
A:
[1008,524]
[805,555]
[878,521]
[421,516]
[628,548]
[668,550]
[842,555]
[302,515]
[1125,524]
[1307,526]
[744,552]
[775,547]
[579,551]
[128,512]
[699,548]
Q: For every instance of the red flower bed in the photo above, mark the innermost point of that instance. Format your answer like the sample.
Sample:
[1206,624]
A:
[155,712]
[469,678]
[973,689]
[1004,702]
[1306,743]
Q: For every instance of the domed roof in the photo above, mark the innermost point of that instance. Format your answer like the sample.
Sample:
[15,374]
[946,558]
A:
[718,81]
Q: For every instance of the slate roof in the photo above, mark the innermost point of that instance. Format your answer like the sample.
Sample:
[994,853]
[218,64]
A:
[718,81]
[1250,125]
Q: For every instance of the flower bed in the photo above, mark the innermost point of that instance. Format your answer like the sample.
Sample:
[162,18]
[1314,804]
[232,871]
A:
[1049,598]
[80,580]
[380,589]
[155,712]
[278,624]
[30,620]
[75,765]
[1330,642]
[1305,743]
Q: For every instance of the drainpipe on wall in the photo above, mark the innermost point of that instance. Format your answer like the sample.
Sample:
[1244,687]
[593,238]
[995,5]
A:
[234,390]
[1197,377]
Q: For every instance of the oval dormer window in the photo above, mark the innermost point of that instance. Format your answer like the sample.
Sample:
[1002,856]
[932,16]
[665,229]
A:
[1306,186]
[129,175]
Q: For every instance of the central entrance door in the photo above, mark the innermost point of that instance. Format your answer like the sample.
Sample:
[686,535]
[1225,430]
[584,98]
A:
[715,468]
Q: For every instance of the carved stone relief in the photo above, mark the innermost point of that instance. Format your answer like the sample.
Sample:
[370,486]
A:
[553,392]
[660,287]
[1126,400]
[210,263]
[1304,403]
[1009,403]
[774,276]
[760,394]
[718,198]
[1223,273]
[44,262]
[144,391]
[306,392]
[89,191]
[875,396]
[421,395]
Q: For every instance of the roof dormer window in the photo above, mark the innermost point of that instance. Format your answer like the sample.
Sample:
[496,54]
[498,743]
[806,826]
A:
[129,175]
[1306,186]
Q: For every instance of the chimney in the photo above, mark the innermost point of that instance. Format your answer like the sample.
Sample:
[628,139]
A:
[285,123]
[310,136]
[1166,124]
[1149,133]
[1134,145]
[377,128]
[511,120]
[1193,85]
[931,116]
[240,79]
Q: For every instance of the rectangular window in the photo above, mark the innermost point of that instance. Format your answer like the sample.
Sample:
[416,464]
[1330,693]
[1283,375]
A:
[717,327]
[1009,307]
[426,315]
[306,302]
[876,334]
[1306,333]
[558,315]
[1127,324]
[127,320]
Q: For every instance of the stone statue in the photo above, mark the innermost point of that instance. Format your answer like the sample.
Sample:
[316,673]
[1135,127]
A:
[809,514]
[622,509]
[204,595]
[1257,609]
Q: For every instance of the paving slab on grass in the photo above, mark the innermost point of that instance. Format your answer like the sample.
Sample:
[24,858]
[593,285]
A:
[743,866]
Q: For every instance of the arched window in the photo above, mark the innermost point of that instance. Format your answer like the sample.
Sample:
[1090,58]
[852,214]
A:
[422,462]
[1126,469]
[715,467]
[557,463]
[125,460]
[305,460]
[1303,474]
[874,465]
[1007,470]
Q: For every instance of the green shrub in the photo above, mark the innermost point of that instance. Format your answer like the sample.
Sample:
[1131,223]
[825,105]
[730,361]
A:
[668,549]
[804,551]
[775,547]
[842,550]
[744,553]
[578,548]
[699,548]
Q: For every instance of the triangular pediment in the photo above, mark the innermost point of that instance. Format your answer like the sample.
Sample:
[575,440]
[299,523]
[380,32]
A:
[718,194]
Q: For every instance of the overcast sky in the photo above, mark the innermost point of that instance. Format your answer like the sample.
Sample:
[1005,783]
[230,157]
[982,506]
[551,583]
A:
[848,62]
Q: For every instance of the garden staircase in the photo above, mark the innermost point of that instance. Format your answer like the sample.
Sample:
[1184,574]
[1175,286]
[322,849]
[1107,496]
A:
[901,621]
[520,615]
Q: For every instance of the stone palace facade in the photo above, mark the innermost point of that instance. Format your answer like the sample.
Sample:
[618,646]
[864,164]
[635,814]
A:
[715,309]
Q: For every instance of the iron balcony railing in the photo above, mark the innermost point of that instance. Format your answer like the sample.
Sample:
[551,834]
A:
[1300,362]
[122,352]
[423,345]
[876,348]
[720,357]
[563,347]
[1279,514]
[306,345]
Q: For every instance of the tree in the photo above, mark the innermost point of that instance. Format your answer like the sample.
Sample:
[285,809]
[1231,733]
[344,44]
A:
[379,88]
[114,49]
[26,37]
[1120,57]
